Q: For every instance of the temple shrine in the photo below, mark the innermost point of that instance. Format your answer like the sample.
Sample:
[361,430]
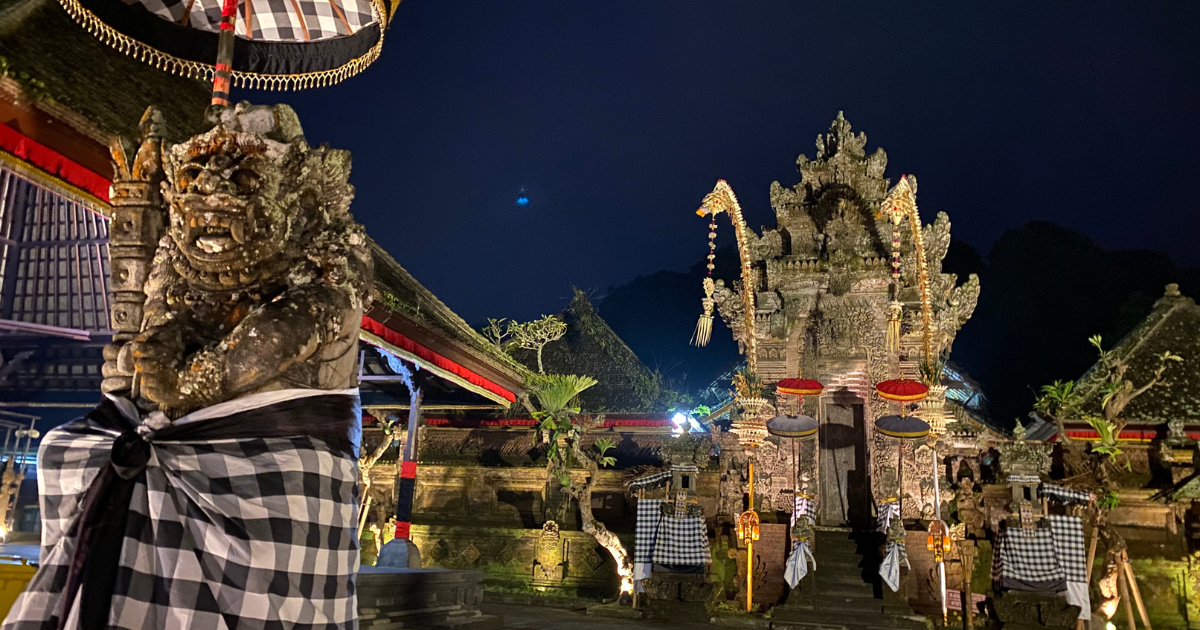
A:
[846,289]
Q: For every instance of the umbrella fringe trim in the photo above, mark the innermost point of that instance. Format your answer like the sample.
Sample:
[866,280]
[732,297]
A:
[204,72]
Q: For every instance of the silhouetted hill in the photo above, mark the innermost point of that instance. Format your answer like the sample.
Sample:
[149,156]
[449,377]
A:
[1045,290]
[656,314]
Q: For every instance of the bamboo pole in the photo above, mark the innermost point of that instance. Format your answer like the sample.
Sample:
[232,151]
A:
[1137,593]
[1125,597]
[1091,557]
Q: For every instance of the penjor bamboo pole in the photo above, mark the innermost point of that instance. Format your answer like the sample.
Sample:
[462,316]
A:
[750,549]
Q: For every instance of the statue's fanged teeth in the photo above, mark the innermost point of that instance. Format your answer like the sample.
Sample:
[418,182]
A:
[237,229]
[216,233]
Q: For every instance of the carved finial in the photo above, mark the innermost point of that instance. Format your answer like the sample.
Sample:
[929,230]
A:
[1019,432]
[841,140]
[1172,291]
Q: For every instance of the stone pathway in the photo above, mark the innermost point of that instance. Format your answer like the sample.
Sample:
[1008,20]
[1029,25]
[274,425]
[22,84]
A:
[546,618]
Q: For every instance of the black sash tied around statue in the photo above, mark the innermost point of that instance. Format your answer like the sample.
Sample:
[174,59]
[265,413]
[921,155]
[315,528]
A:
[282,450]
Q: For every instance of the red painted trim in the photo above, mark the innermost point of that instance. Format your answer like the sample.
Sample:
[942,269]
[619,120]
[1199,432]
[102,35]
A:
[53,162]
[408,470]
[1127,435]
[403,530]
[526,422]
[408,345]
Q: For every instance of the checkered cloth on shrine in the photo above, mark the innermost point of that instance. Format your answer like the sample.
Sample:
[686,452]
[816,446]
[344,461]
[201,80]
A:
[650,482]
[1028,563]
[1063,495]
[1067,532]
[219,534]
[661,539]
[271,20]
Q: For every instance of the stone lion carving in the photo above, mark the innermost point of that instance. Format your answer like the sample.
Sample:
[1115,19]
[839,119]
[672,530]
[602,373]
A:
[260,281]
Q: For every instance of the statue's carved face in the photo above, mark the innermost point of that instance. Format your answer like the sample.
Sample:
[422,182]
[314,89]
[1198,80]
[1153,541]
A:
[228,204]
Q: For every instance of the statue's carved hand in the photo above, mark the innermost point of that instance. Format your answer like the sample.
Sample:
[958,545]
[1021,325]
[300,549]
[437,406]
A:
[157,356]
[117,369]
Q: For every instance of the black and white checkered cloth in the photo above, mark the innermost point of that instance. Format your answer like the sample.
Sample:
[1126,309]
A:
[650,482]
[1067,532]
[1028,563]
[660,539]
[888,510]
[244,532]
[1063,495]
[272,20]
[807,507]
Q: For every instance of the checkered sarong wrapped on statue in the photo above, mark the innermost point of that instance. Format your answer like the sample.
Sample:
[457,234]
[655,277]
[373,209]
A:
[240,515]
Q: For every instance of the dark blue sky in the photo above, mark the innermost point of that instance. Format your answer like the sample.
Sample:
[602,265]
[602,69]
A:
[616,117]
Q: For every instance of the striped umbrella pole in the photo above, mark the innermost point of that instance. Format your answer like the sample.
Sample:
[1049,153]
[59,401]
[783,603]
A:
[224,66]
[408,471]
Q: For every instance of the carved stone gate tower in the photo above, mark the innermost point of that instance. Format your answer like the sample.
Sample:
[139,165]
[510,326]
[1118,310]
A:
[821,275]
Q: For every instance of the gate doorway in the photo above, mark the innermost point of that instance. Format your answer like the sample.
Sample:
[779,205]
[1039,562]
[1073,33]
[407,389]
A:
[845,492]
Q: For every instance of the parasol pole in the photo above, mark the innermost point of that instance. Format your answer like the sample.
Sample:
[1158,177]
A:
[937,513]
[224,66]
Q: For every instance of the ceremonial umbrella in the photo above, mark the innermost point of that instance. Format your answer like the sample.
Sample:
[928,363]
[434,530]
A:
[280,44]
[902,426]
[799,387]
[792,426]
[902,390]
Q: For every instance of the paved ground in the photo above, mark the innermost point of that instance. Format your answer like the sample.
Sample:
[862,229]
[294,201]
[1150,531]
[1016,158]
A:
[546,618]
[515,617]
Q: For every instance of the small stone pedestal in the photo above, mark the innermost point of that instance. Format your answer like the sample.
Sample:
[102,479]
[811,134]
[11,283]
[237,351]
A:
[1026,610]
[437,599]
[677,596]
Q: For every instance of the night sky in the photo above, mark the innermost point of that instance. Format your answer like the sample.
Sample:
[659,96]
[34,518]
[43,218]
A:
[613,119]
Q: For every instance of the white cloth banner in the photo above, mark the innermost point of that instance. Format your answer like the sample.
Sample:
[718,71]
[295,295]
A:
[1077,595]
[889,569]
[797,563]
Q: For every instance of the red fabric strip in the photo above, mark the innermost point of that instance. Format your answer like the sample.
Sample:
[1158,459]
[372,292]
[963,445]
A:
[526,422]
[53,162]
[403,530]
[408,470]
[408,345]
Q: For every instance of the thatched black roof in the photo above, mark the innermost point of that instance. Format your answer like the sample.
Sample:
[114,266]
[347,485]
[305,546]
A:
[397,290]
[1173,326]
[108,91]
[590,347]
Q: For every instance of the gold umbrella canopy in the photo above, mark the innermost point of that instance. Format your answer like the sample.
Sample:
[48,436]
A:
[280,44]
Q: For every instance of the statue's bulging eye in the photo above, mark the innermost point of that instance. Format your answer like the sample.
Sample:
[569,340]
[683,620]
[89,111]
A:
[246,180]
[187,175]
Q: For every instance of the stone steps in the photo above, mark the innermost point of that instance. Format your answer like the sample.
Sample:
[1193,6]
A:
[844,592]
